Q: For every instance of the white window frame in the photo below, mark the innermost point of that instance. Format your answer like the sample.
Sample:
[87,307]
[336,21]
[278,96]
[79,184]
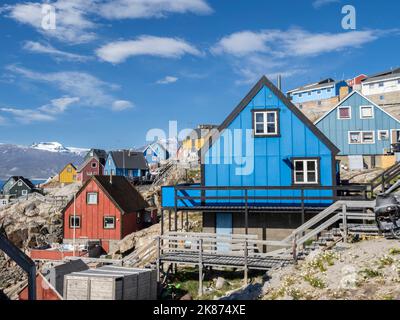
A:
[391,135]
[367,106]
[24,192]
[92,193]
[361,136]
[114,222]
[19,183]
[305,171]
[94,165]
[266,123]
[343,107]
[379,135]
[74,226]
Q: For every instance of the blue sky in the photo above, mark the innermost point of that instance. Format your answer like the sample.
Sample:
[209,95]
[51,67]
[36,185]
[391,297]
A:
[112,70]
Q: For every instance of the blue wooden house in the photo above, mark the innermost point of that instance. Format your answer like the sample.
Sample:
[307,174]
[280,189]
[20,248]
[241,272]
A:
[358,126]
[156,152]
[267,159]
[126,163]
[324,89]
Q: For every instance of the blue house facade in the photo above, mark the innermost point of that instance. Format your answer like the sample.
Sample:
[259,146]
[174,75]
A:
[321,90]
[126,163]
[155,153]
[266,155]
[357,126]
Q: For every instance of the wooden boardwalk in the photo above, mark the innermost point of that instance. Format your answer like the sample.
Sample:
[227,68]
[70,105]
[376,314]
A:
[220,259]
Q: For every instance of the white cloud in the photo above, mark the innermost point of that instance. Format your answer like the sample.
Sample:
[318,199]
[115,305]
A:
[27,116]
[57,106]
[124,9]
[293,42]
[119,51]
[78,86]
[72,22]
[45,113]
[121,105]
[320,3]
[37,47]
[167,80]
[74,18]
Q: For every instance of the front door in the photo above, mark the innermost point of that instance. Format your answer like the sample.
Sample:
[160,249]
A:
[223,227]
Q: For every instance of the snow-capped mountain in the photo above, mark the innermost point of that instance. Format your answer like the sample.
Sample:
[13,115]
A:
[39,161]
[58,147]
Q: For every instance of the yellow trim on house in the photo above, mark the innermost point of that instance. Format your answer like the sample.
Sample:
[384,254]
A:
[68,174]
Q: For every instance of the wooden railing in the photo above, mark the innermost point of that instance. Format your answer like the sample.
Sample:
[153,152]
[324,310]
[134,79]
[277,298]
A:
[385,177]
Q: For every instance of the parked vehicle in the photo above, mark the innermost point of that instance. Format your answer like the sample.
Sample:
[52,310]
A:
[387,214]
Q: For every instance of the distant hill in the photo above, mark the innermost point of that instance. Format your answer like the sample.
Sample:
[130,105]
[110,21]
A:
[36,162]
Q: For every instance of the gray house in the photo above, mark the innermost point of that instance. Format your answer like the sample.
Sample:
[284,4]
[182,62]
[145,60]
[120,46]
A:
[18,186]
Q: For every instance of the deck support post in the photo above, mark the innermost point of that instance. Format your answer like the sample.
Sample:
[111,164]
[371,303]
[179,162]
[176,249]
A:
[182,214]
[246,269]
[345,230]
[187,221]
[295,249]
[246,212]
[158,258]
[162,222]
[200,293]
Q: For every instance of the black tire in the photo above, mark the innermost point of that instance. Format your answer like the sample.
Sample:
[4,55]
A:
[395,232]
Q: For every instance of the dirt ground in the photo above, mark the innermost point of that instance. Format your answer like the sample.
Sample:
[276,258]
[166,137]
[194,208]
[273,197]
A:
[366,270]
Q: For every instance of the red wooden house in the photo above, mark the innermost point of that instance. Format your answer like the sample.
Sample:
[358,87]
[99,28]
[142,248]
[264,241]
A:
[106,209]
[91,167]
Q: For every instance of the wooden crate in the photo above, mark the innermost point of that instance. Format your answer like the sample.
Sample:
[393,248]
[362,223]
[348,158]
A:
[91,285]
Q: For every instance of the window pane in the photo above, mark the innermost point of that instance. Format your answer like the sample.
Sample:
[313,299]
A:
[299,166]
[344,113]
[311,177]
[299,177]
[355,137]
[311,165]
[259,117]
[109,222]
[92,198]
[366,112]
[271,117]
[259,128]
[368,137]
[271,128]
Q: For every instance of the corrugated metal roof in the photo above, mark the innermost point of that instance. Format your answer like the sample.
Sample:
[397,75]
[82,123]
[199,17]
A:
[383,75]
[129,159]
[315,85]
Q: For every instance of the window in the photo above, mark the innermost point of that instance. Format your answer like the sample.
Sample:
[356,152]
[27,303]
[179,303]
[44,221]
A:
[371,86]
[381,97]
[69,169]
[109,222]
[106,172]
[366,112]
[300,106]
[319,92]
[381,84]
[319,103]
[398,81]
[309,93]
[24,192]
[109,162]
[91,198]
[368,137]
[344,113]
[94,165]
[305,171]
[300,95]
[112,172]
[148,152]
[328,90]
[265,123]
[74,222]
[361,137]
[383,135]
[19,183]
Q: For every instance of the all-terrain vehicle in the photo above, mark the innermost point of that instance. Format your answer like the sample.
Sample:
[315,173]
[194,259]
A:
[387,214]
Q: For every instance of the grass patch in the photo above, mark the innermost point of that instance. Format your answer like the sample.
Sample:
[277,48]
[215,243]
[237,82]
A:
[370,273]
[315,281]
[394,251]
[385,261]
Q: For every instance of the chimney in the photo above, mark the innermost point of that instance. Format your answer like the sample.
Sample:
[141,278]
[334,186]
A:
[280,82]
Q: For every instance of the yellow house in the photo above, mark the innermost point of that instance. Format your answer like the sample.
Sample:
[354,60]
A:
[195,140]
[68,174]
